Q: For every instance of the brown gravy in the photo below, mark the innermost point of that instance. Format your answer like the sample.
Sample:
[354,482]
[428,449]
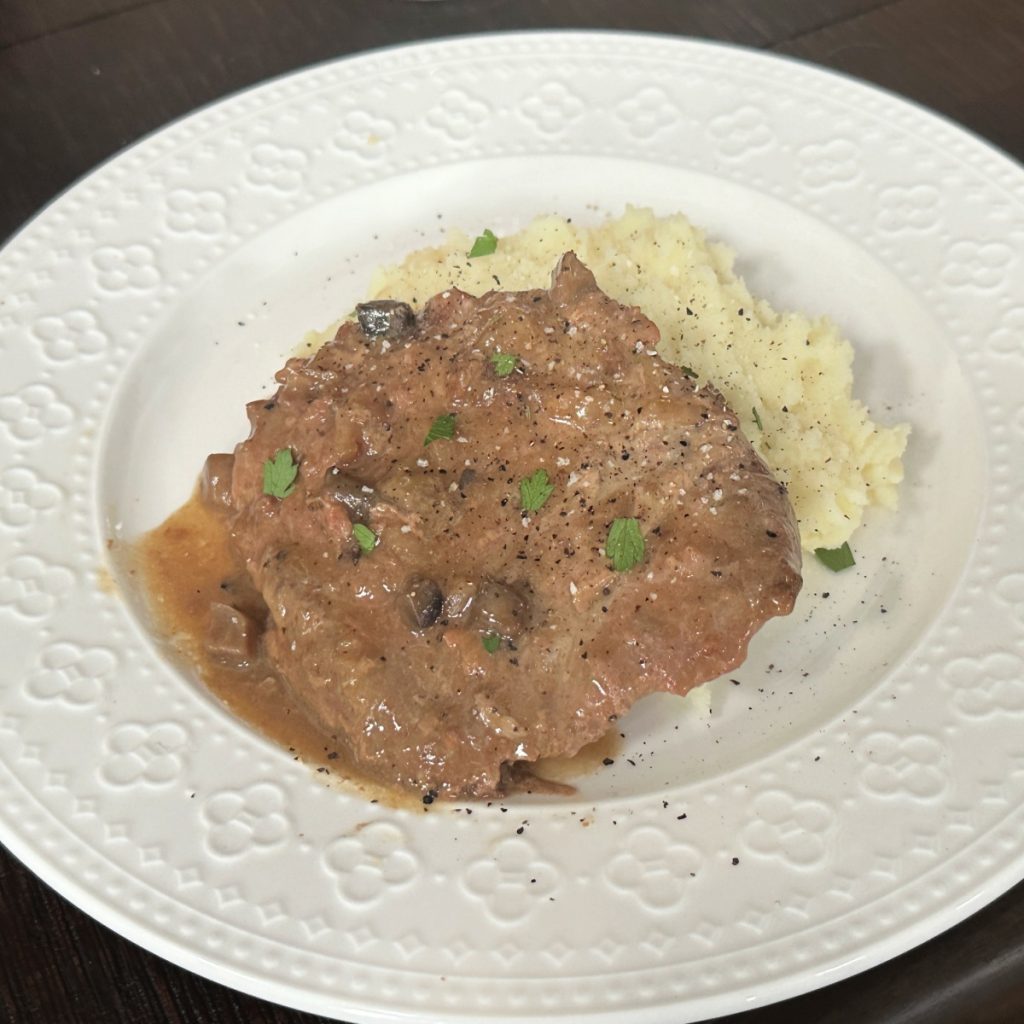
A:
[484,531]
[183,563]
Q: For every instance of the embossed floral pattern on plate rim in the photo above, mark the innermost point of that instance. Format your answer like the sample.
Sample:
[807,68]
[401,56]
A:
[181,891]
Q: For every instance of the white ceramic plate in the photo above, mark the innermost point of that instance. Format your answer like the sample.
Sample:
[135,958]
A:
[859,791]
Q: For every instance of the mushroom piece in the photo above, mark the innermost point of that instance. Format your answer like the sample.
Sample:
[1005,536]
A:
[232,637]
[460,602]
[420,602]
[215,480]
[385,318]
[357,497]
[500,609]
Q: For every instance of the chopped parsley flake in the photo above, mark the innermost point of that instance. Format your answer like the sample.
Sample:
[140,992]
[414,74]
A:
[757,420]
[443,428]
[835,559]
[279,474]
[484,245]
[504,363]
[366,538]
[491,642]
[625,545]
[534,490]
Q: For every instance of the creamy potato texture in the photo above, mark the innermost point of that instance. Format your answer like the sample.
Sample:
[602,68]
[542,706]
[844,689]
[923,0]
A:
[787,376]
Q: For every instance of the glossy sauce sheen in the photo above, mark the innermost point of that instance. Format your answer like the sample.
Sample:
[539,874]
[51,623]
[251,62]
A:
[472,638]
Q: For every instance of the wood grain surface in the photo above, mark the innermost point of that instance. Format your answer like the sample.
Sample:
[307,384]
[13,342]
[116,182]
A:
[81,79]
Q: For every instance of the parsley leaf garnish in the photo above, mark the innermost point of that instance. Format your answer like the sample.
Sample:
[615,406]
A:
[443,428]
[835,559]
[491,642]
[484,245]
[504,363]
[689,371]
[366,538]
[279,474]
[625,545]
[534,490]
[757,419]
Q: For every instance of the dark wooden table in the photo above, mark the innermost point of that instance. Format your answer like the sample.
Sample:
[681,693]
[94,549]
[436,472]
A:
[79,79]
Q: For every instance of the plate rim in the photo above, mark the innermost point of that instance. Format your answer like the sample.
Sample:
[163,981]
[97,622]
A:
[181,954]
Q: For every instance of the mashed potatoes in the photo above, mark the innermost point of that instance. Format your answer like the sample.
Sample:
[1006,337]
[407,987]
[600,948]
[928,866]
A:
[788,377]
